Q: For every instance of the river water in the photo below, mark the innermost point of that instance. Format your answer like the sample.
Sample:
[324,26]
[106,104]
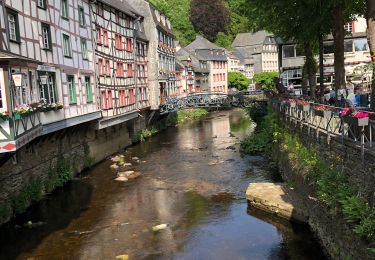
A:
[193,179]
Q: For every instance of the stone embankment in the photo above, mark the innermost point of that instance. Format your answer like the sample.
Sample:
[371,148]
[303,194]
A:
[278,199]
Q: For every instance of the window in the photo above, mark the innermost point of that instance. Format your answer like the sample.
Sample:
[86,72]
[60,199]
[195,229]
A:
[107,68]
[130,70]
[84,49]
[131,97]
[120,69]
[47,89]
[122,98]
[72,90]
[46,37]
[288,51]
[105,37]
[129,45]
[42,4]
[88,89]
[328,47]
[118,41]
[64,9]
[99,35]
[14,31]
[66,46]
[101,67]
[361,44]
[349,27]
[348,46]
[110,99]
[104,99]
[81,15]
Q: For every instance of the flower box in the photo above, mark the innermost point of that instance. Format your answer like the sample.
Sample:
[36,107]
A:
[4,119]
[323,113]
[356,121]
[304,108]
[17,116]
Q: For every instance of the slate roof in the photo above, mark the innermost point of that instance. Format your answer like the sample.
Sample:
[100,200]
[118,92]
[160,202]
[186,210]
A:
[212,54]
[160,25]
[257,38]
[122,6]
[202,43]
[183,55]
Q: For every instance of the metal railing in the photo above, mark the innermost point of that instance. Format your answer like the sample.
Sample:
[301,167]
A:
[348,130]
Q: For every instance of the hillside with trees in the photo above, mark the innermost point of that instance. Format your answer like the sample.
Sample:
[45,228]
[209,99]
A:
[217,20]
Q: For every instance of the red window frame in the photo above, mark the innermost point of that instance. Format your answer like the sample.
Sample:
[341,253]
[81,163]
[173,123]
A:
[105,37]
[104,99]
[107,68]
[110,99]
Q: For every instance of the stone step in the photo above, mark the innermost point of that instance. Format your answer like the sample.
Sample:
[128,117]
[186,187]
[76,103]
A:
[278,199]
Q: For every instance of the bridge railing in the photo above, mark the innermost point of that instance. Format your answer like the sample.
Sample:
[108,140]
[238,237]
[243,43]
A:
[329,122]
[213,99]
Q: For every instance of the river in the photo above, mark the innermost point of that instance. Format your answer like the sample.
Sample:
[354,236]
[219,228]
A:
[193,179]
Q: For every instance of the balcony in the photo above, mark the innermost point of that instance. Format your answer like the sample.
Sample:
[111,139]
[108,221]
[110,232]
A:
[18,129]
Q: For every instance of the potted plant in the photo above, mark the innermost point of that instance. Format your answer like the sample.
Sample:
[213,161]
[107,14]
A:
[292,102]
[356,118]
[4,116]
[323,111]
[22,110]
[303,105]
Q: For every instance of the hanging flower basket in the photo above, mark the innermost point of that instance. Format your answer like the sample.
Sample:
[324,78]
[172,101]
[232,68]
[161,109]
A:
[17,116]
[352,120]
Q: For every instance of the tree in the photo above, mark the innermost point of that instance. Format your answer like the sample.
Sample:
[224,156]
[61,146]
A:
[370,17]
[266,80]
[292,20]
[223,40]
[210,17]
[179,12]
[238,80]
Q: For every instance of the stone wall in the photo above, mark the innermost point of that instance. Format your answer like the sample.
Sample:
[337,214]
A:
[81,146]
[330,227]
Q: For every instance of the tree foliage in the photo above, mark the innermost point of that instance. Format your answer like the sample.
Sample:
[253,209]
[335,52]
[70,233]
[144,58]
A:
[179,13]
[266,79]
[238,80]
[210,17]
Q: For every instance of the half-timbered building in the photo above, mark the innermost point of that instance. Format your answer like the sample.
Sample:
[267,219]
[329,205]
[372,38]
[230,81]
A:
[161,52]
[118,49]
[46,68]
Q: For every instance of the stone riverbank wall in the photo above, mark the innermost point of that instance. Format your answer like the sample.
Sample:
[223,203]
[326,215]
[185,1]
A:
[50,160]
[335,234]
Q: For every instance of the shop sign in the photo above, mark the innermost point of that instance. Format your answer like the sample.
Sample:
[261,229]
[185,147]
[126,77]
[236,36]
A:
[17,79]
[43,79]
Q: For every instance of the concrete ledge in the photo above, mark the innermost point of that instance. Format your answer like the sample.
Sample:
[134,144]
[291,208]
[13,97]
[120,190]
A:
[277,199]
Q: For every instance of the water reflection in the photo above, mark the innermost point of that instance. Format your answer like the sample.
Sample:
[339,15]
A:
[194,180]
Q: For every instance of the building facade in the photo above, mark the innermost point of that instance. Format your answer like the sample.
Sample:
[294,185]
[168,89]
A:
[356,55]
[211,58]
[47,70]
[161,52]
[258,52]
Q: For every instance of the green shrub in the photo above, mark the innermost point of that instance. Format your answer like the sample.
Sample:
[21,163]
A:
[59,175]
[32,191]
[267,132]
[332,184]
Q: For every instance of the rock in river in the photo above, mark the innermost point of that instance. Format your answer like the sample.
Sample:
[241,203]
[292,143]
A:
[114,166]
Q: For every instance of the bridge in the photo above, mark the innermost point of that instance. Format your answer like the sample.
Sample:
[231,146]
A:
[211,100]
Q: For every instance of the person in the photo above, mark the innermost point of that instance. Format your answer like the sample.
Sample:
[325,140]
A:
[341,97]
[291,88]
[352,99]
[350,87]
